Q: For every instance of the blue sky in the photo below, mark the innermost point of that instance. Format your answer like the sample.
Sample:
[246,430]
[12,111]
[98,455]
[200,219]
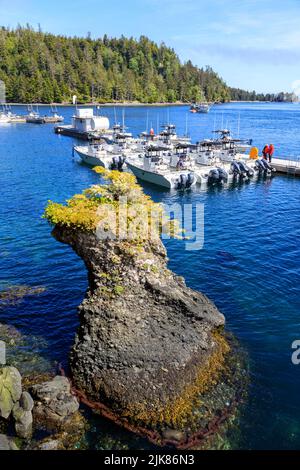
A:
[252,44]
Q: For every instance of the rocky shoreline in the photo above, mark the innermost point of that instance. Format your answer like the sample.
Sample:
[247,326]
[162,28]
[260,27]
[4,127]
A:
[48,408]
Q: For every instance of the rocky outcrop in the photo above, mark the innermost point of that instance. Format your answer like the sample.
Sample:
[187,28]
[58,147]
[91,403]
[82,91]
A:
[149,351]
[145,339]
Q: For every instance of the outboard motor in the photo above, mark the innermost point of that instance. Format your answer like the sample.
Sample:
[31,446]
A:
[185,181]
[190,180]
[182,181]
[223,176]
[259,166]
[245,169]
[267,166]
[213,176]
[235,169]
[263,166]
[117,163]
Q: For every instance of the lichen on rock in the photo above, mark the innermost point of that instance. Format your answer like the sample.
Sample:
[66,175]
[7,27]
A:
[147,346]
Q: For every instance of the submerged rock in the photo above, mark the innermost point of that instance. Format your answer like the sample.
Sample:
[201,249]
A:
[24,352]
[147,345]
[15,294]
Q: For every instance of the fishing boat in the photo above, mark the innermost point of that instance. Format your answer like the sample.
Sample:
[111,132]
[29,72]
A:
[55,116]
[167,138]
[239,166]
[34,117]
[53,119]
[157,166]
[226,138]
[203,107]
[14,118]
[9,116]
[4,118]
[100,154]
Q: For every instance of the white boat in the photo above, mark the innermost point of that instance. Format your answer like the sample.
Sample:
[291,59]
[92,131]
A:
[99,154]
[168,137]
[157,167]
[225,137]
[4,118]
[34,118]
[203,107]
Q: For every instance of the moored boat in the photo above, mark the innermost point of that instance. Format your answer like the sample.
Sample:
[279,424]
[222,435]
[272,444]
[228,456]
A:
[156,166]
[202,107]
[100,154]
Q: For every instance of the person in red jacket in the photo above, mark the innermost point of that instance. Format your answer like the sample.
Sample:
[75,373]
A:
[265,152]
[271,152]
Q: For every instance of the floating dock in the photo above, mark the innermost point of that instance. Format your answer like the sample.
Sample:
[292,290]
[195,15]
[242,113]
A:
[287,166]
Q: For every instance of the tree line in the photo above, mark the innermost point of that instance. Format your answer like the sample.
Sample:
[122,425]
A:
[242,95]
[45,68]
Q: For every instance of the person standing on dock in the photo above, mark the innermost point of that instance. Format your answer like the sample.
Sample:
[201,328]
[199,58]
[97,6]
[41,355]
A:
[271,152]
[265,152]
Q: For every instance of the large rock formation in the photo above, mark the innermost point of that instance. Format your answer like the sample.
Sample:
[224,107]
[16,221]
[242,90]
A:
[148,346]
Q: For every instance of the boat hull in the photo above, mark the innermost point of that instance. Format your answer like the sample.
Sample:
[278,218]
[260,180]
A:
[35,121]
[169,181]
[92,160]
[149,176]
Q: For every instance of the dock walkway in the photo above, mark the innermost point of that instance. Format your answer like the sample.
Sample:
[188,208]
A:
[287,166]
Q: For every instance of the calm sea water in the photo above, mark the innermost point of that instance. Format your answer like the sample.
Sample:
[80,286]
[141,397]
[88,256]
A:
[249,265]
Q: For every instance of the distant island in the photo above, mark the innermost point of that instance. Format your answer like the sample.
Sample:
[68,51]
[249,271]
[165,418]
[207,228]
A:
[39,67]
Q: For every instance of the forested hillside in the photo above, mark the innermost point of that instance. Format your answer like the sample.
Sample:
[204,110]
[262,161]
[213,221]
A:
[41,67]
[242,95]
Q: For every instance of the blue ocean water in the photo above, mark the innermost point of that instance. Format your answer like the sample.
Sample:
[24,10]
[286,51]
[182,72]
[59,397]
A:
[249,264]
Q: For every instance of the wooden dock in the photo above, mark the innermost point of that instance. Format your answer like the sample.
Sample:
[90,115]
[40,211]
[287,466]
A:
[287,166]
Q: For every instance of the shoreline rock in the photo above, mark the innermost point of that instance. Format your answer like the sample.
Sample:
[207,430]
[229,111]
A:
[54,404]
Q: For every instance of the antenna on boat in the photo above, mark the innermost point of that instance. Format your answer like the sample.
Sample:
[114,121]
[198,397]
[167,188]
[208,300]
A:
[222,121]
[186,124]
[239,124]
[157,123]
[147,121]
[115,114]
[123,119]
